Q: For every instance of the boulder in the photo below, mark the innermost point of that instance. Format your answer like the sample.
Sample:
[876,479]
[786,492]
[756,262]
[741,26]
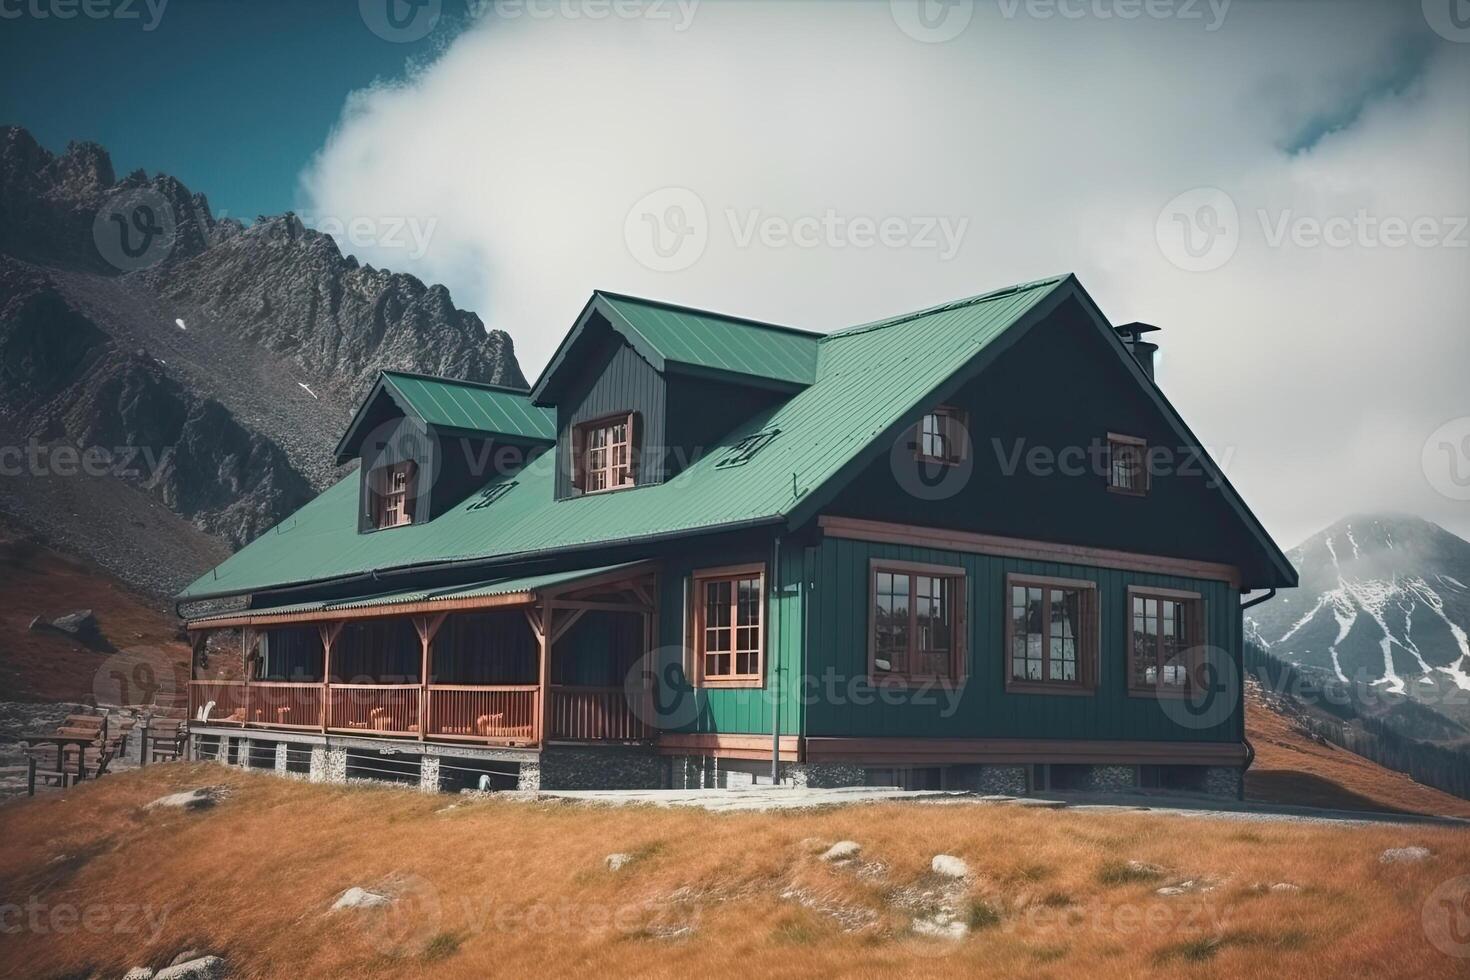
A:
[949,866]
[204,968]
[941,926]
[76,623]
[139,973]
[843,850]
[194,799]
[360,898]
[1397,855]
[186,956]
[616,862]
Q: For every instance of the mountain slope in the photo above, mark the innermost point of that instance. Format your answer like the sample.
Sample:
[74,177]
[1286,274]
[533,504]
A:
[1383,599]
[211,366]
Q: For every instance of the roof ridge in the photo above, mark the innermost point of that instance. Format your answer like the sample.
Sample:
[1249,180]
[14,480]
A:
[488,385]
[732,318]
[955,304]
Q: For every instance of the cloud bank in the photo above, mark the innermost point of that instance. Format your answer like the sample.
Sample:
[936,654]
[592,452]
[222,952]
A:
[828,164]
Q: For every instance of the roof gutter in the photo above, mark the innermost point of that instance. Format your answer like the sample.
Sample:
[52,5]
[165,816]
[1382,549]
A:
[1271,594]
[381,574]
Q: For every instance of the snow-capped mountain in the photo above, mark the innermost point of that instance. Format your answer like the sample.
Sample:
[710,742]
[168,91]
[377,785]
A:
[1384,599]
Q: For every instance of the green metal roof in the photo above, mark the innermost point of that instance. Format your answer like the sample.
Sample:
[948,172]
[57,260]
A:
[493,587]
[466,405]
[869,381]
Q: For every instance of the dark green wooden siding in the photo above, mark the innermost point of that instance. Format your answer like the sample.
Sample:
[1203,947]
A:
[983,709]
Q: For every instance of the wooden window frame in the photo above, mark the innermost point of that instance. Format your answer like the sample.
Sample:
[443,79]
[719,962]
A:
[581,470]
[1144,479]
[728,573]
[953,422]
[382,477]
[959,617]
[1088,659]
[1197,624]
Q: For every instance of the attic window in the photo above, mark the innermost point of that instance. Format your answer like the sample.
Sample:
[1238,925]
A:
[604,453]
[392,493]
[744,450]
[940,436]
[1127,465]
[489,495]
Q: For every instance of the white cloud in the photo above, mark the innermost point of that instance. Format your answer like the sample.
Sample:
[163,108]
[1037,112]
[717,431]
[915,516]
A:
[1057,139]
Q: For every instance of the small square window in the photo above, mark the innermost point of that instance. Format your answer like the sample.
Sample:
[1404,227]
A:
[604,454]
[940,436]
[1127,465]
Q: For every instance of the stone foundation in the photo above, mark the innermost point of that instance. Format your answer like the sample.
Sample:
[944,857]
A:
[987,780]
[281,769]
[327,765]
[567,767]
[1225,781]
[429,774]
[1112,779]
[822,775]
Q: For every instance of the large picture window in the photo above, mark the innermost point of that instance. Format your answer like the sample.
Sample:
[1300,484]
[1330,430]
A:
[1165,628]
[605,454]
[729,626]
[1051,635]
[917,625]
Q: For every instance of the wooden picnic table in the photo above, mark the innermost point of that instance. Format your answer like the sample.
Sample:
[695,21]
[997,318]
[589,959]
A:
[61,742]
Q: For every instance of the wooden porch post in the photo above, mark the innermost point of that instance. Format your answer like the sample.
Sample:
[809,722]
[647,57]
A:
[329,633]
[544,666]
[247,638]
[427,628]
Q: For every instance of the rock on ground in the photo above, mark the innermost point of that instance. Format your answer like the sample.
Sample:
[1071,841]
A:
[139,973]
[360,898]
[949,866]
[843,850]
[616,862]
[1395,855]
[194,799]
[204,968]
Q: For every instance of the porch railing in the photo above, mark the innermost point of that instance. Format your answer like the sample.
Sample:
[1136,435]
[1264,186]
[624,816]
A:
[464,711]
[385,709]
[224,699]
[594,714]
[282,704]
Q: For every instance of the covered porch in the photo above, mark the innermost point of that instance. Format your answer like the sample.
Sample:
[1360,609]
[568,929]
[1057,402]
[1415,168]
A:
[516,662]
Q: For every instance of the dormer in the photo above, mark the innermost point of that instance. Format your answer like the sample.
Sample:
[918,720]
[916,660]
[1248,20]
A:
[428,443]
[641,389]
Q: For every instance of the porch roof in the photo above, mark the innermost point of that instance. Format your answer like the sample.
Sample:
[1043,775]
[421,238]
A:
[522,589]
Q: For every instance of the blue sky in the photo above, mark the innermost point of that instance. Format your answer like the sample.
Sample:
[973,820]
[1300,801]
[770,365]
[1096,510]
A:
[231,97]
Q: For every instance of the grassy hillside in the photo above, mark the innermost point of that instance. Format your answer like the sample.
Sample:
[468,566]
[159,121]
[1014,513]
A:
[513,888]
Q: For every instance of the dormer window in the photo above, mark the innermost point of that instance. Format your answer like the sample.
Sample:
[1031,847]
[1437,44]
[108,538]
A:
[392,497]
[940,436]
[604,454]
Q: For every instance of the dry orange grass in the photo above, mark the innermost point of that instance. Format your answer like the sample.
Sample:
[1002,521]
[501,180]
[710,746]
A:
[517,888]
